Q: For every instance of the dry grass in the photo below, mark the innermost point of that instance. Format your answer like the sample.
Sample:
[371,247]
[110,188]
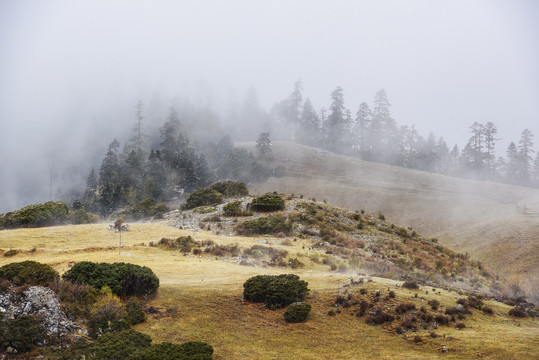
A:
[206,295]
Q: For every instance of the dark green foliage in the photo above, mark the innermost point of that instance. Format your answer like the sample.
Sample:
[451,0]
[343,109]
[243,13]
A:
[297,312]
[410,285]
[39,215]
[80,217]
[118,346]
[275,291]
[230,188]
[28,273]
[20,334]
[233,209]
[271,224]
[145,208]
[122,278]
[135,313]
[268,202]
[203,197]
[169,351]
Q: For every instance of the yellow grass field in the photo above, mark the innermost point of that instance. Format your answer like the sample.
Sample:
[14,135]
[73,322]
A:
[200,298]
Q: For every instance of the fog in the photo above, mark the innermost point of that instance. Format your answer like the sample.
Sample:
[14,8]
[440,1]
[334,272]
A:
[72,72]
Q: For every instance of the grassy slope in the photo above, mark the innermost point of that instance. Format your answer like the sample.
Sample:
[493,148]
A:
[496,223]
[206,294]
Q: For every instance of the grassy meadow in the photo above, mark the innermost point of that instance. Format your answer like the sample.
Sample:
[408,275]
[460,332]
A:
[200,298]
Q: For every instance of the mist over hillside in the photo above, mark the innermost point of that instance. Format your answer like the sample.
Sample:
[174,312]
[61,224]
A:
[73,73]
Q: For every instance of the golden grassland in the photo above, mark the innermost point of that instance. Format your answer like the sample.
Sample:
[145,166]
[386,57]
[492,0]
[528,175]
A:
[200,298]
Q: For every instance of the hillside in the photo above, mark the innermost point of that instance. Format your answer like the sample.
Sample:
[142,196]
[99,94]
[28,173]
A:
[497,224]
[202,265]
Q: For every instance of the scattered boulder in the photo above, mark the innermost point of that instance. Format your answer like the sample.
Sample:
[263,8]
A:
[41,302]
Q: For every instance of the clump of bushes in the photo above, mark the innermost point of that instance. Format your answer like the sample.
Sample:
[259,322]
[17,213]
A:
[39,215]
[108,314]
[145,208]
[203,197]
[412,285]
[235,209]
[297,312]
[119,345]
[230,188]
[275,291]
[518,311]
[268,202]
[135,312]
[194,350]
[28,273]
[122,278]
[434,304]
[271,224]
[404,308]
[20,334]
[378,316]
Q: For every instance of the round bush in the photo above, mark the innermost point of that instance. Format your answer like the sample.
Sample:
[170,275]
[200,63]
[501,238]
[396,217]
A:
[80,217]
[297,312]
[230,188]
[275,291]
[28,273]
[118,346]
[203,197]
[122,278]
[46,214]
[268,202]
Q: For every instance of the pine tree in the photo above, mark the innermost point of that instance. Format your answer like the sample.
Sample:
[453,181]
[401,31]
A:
[336,122]
[525,151]
[263,144]
[309,129]
[474,148]
[110,180]
[489,135]
[383,130]
[361,130]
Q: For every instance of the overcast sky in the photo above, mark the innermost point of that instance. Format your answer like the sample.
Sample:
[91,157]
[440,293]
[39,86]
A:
[443,64]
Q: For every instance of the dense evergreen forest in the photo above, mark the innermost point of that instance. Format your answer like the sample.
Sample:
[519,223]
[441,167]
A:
[194,147]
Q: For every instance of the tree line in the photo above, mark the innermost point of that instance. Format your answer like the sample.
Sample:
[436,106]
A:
[372,134]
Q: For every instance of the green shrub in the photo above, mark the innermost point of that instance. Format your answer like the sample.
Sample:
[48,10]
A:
[28,273]
[20,334]
[271,224]
[268,202]
[135,313]
[169,351]
[233,209]
[46,214]
[80,216]
[412,285]
[230,188]
[275,291]
[118,346]
[203,197]
[297,312]
[122,278]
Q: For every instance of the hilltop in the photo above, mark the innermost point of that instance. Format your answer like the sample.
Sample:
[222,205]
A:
[497,224]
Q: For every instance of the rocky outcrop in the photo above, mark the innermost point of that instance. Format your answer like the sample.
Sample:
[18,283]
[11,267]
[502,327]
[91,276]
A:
[40,302]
